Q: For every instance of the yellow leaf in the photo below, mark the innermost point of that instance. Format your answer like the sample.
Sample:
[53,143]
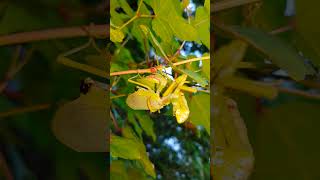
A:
[116,35]
[180,108]
[144,100]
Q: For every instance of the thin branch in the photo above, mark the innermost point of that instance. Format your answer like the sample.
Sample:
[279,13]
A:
[24,110]
[152,70]
[282,29]
[116,126]
[179,49]
[128,22]
[58,33]
[14,67]
[191,60]
[299,93]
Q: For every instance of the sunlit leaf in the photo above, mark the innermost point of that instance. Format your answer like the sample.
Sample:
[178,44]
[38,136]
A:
[165,11]
[116,35]
[202,24]
[124,148]
[200,110]
[195,76]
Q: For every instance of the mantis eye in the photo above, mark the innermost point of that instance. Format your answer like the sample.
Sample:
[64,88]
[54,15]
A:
[85,85]
[84,88]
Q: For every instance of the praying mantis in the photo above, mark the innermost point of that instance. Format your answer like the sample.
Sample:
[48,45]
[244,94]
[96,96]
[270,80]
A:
[149,95]
[81,124]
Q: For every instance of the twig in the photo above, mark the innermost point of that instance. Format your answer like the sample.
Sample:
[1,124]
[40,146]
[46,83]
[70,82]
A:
[58,33]
[24,110]
[223,5]
[179,50]
[282,29]
[128,22]
[299,93]
[115,122]
[152,70]
[14,67]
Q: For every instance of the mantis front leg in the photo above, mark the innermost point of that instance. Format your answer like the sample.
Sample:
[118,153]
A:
[138,83]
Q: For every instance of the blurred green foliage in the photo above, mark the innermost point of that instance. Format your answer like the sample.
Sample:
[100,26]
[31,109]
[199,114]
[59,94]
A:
[26,141]
[283,43]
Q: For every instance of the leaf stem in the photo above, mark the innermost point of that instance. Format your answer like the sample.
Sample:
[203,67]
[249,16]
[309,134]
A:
[58,33]
[128,22]
[151,70]
[116,126]
[24,110]
[139,6]
[146,16]
[298,93]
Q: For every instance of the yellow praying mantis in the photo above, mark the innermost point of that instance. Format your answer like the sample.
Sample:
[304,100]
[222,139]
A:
[149,95]
[81,124]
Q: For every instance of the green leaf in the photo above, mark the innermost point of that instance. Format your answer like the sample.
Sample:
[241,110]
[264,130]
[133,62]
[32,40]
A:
[279,52]
[118,170]
[17,19]
[147,164]
[195,76]
[270,15]
[118,19]
[206,67]
[307,13]
[160,27]
[136,31]
[144,160]
[136,174]
[297,120]
[146,123]
[126,8]
[202,24]
[124,148]
[135,124]
[200,110]
[165,11]
[116,35]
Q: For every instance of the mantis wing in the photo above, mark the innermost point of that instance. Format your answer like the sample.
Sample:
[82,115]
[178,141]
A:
[144,100]
[180,107]
[82,124]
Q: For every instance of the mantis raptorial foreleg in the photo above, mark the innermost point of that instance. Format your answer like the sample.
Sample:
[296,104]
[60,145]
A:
[138,83]
[148,97]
